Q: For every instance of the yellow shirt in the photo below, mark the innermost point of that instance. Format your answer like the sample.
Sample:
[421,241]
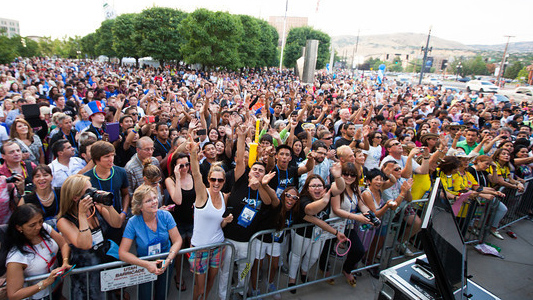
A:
[456,183]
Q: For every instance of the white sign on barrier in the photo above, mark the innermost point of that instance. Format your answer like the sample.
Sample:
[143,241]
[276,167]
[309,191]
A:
[124,277]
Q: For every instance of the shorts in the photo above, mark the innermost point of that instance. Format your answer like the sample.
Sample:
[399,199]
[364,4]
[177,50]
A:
[260,248]
[201,260]
[273,249]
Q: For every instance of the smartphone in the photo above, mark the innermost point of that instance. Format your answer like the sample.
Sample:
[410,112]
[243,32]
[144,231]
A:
[159,264]
[228,211]
[151,119]
[201,132]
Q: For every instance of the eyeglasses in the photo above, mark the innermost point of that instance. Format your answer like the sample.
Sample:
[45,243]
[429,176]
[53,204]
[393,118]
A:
[397,169]
[294,197]
[378,137]
[134,114]
[219,180]
[350,174]
[185,165]
[316,186]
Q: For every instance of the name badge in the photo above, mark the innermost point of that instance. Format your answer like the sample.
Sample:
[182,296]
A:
[98,238]
[154,249]
[247,215]
[276,236]
[279,191]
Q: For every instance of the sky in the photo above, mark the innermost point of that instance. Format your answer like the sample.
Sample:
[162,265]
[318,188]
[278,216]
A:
[465,21]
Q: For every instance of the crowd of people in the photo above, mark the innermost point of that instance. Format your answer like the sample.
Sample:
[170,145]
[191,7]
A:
[96,156]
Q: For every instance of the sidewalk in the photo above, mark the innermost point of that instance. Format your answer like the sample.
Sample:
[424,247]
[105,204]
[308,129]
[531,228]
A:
[510,278]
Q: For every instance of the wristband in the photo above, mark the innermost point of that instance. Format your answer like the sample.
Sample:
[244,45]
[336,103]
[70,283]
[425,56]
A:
[40,285]
[336,232]
[133,130]
[123,212]
[86,229]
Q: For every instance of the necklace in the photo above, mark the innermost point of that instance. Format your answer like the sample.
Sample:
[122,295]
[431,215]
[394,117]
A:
[45,200]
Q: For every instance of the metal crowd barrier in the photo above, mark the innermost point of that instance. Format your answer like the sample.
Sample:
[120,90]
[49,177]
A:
[182,254]
[519,204]
[382,246]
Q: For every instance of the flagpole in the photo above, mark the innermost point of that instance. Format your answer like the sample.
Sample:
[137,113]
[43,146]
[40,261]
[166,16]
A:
[283,36]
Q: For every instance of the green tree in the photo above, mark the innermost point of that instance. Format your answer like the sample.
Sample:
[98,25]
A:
[512,70]
[25,47]
[45,46]
[124,42]
[7,50]
[396,65]
[297,38]
[269,44]
[212,39]
[250,46]
[157,32]
[475,66]
[522,75]
[414,66]
[104,39]
[87,45]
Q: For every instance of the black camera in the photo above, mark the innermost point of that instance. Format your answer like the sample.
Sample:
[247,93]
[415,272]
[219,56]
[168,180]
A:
[102,197]
[12,178]
[372,218]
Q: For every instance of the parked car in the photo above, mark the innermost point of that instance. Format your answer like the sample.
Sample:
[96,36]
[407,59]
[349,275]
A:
[501,98]
[526,90]
[432,81]
[481,86]
[464,79]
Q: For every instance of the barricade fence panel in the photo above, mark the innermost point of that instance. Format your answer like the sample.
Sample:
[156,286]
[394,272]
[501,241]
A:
[115,278]
[304,254]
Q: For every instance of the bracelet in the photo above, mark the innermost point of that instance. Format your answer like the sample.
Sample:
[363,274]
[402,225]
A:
[86,229]
[133,130]
[171,251]
[336,232]
[425,157]
[40,285]
[123,212]
[65,258]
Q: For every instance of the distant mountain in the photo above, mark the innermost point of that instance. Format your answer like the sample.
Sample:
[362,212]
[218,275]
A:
[399,40]
[398,43]
[520,47]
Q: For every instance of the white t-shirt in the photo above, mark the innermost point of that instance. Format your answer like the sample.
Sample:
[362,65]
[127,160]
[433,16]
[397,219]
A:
[373,157]
[35,265]
[401,162]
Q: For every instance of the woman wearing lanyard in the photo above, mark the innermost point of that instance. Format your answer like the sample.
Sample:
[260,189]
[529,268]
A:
[349,205]
[84,225]
[45,197]
[30,248]
[249,196]
[314,208]
[209,207]
[151,229]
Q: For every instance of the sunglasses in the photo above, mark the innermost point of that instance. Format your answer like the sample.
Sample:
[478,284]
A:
[350,174]
[185,165]
[219,180]
[397,169]
[294,197]
[394,144]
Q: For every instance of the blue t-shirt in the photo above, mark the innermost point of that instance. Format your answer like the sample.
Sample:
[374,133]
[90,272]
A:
[118,181]
[137,230]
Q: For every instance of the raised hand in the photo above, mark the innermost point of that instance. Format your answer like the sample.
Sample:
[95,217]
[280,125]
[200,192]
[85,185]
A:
[266,179]
[336,170]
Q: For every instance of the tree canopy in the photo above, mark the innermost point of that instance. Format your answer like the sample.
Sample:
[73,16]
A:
[296,39]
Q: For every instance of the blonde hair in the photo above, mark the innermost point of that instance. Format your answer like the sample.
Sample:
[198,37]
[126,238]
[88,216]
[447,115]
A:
[151,171]
[138,197]
[73,187]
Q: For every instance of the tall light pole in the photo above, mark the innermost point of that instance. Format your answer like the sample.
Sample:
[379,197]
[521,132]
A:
[500,73]
[425,57]
[283,36]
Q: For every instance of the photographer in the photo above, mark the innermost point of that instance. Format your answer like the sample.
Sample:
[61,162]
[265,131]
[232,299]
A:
[17,171]
[85,225]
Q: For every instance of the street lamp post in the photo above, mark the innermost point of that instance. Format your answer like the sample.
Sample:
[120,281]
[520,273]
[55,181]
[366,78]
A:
[425,57]
[458,70]
[500,73]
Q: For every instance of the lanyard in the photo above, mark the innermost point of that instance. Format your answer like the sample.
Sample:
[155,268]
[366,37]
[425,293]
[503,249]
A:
[23,170]
[55,201]
[257,201]
[108,178]
[286,177]
[156,230]
[99,131]
[166,144]
[52,254]
[72,137]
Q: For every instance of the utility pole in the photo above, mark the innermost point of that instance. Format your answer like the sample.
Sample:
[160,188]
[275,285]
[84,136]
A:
[425,57]
[500,73]
[356,46]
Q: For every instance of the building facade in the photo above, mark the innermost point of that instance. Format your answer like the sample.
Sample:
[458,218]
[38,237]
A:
[9,27]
